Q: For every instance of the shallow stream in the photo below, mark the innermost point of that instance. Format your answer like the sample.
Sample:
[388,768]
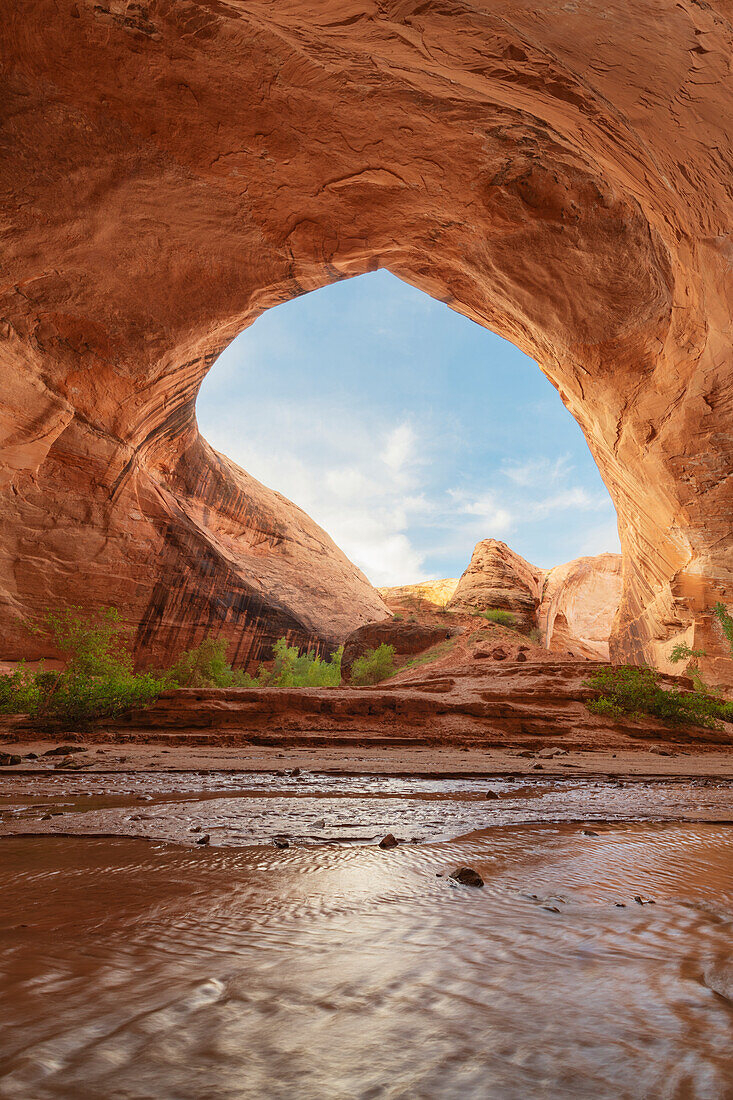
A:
[597,960]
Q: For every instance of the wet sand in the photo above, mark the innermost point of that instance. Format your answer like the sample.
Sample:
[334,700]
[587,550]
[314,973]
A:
[659,759]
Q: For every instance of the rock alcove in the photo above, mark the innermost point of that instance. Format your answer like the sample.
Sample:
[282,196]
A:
[558,173]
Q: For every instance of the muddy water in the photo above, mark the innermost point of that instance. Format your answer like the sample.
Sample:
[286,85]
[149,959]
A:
[136,969]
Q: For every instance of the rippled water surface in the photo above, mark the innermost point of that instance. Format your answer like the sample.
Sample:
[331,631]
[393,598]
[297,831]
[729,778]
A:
[136,970]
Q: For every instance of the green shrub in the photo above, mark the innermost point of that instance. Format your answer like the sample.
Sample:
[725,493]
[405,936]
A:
[503,618]
[535,635]
[206,666]
[726,622]
[397,618]
[19,692]
[97,680]
[375,665]
[636,691]
[295,669]
[682,652]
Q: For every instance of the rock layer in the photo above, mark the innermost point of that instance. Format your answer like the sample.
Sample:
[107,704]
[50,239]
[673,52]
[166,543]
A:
[559,173]
[406,639]
[496,577]
[579,605]
[573,606]
[423,594]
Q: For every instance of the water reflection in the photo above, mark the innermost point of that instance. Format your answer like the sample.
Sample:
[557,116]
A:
[135,970]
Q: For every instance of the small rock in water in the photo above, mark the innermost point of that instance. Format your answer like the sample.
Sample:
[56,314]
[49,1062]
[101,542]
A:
[281,843]
[491,794]
[589,832]
[195,829]
[7,759]
[389,841]
[467,877]
[45,817]
[203,839]
[537,767]
[643,901]
[31,756]
[295,771]
[64,750]
[550,908]
[320,824]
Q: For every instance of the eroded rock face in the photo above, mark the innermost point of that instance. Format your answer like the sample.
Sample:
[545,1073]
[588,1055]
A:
[579,605]
[427,594]
[496,577]
[406,638]
[559,173]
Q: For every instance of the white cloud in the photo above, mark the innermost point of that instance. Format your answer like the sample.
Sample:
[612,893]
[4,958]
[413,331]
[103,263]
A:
[494,517]
[399,448]
[602,539]
[537,472]
[573,499]
[358,480]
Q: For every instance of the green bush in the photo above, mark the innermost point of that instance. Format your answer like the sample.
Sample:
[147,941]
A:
[726,622]
[636,691]
[397,618]
[375,665]
[295,669]
[206,666]
[19,692]
[97,680]
[682,652]
[503,618]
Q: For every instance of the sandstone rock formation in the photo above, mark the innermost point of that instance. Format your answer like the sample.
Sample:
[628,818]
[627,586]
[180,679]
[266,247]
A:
[579,605]
[559,173]
[573,606]
[496,577]
[406,638]
[427,594]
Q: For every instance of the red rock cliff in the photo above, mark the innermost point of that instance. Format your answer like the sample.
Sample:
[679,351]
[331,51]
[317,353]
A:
[557,172]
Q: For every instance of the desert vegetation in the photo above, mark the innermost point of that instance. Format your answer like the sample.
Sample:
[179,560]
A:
[635,692]
[373,666]
[98,679]
[497,615]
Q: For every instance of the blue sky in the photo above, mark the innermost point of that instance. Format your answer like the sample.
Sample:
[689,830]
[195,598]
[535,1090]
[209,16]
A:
[407,432]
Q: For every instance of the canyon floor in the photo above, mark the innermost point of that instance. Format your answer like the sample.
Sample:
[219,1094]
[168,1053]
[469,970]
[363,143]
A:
[196,902]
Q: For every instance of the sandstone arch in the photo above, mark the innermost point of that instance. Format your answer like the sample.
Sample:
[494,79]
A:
[557,172]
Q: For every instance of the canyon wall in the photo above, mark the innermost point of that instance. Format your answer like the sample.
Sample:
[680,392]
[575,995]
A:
[579,604]
[559,173]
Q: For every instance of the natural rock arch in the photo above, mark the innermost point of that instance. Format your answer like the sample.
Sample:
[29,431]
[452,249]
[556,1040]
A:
[559,173]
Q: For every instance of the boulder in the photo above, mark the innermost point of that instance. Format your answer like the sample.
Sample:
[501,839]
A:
[389,841]
[467,877]
[407,639]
